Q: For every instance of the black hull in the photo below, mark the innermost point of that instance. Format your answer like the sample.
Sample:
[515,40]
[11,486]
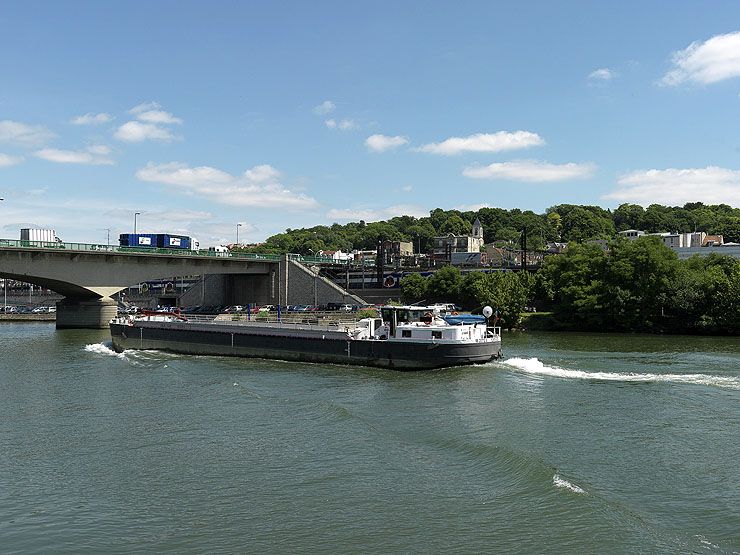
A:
[330,347]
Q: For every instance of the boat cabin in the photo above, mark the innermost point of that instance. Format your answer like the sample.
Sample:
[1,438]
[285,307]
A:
[421,323]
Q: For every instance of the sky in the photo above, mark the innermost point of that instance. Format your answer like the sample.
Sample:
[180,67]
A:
[274,115]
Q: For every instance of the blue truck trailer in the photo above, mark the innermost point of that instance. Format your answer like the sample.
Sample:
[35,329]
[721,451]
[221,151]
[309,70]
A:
[155,241]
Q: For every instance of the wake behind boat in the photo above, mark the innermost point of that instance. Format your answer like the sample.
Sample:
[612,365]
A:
[403,338]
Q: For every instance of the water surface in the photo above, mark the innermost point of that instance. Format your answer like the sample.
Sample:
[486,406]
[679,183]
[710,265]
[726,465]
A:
[575,443]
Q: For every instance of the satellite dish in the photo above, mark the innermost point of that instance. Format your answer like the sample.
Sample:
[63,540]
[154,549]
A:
[487,311]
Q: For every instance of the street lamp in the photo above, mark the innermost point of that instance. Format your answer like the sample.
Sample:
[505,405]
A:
[237,233]
[135,214]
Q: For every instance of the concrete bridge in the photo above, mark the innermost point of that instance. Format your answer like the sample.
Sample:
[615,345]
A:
[87,275]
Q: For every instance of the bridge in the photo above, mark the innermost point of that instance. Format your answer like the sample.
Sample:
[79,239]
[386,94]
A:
[87,275]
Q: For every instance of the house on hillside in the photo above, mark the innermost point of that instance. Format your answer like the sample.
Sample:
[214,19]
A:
[445,245]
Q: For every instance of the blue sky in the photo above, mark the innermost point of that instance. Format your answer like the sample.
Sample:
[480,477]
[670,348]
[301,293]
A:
[284,115]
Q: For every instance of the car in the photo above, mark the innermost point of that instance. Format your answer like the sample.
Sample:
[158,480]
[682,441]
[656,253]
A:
[233,309]
[345,308]
[43,309]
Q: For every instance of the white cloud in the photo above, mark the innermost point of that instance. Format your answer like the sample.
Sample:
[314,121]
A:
[706,62]
[22,134]
[531,171]
[344,125]
[471,207]
[602,74]
[711,185]
[258,186]
[326,107]
[91,119]
[381,143]
[136,132]
[484,142]
[407,188]
[144,107]
[96,155]
[151,124]
[376,214]
[158,116]
[7,160]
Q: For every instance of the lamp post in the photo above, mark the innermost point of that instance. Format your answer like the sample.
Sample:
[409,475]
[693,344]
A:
[237,233]
[108,243]
[135,214]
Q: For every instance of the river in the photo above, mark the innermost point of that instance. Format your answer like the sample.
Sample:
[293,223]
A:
[574,443]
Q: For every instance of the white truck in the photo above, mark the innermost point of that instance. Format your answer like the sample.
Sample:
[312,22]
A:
[41,235]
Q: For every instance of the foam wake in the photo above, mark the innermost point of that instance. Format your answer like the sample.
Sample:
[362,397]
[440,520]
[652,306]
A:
[559,482]
[534,366]
[103,349]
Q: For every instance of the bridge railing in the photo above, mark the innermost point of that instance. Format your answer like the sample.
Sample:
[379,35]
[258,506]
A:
[95,247]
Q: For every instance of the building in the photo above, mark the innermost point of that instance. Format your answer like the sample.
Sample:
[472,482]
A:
[337,256]
[445,245]
[632,234]
[712,241]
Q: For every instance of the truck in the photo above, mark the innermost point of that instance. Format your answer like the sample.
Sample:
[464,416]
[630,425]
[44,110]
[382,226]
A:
[156,241]
[43,235]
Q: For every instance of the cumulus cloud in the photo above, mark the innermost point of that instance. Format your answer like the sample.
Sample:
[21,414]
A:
[375,214]
[602,74]
[484,142]
[22,134]
[150,124]
[158,116]
[96,155]
[713,60]
[711,185]
[326,107]
[344,124]
[7,160]
[531,171]
[381,143]
[259,186]
[91,119]
[137,131]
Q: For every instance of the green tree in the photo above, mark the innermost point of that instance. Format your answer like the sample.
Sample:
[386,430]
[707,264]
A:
[444,284]
[455,225]
[414,288]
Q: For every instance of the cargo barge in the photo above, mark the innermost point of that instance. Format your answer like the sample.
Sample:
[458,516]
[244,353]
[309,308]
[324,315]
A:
[402,338]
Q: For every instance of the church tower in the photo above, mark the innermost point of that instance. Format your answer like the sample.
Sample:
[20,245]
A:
[477,229]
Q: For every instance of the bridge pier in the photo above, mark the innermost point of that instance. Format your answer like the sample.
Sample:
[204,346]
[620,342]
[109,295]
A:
[90,314]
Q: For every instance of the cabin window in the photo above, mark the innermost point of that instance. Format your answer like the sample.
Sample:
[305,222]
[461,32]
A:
[436,335]
[405,333]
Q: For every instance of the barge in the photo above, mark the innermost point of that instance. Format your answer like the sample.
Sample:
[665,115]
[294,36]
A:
[403,338]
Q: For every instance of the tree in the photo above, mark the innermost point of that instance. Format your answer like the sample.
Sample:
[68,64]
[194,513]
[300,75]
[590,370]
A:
[414,288]
[444,284]
[455,225]
[580,224]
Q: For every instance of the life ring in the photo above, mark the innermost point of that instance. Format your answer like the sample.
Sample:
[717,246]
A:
[144,287]
[169,287]
[389,282]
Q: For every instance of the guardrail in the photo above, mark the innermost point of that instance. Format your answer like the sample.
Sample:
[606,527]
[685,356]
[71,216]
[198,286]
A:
[94,247]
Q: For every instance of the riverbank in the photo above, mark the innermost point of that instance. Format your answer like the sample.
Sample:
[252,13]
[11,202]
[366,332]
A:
[43,317]
[547,321]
